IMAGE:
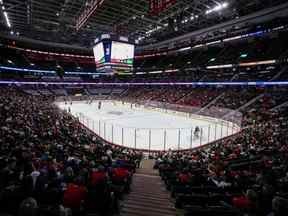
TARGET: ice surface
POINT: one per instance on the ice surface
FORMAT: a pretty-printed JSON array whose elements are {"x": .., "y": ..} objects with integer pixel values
[{"x": 144, "y": 128}]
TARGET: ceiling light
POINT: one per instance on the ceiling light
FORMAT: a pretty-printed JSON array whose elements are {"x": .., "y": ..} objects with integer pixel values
[
  {"x": 217, "y": 8},
  {"x": 7, "y": 19},
  {"x": 224, "y": 5},
  {"x": 244, "y": 55},
  {"x": 5, "y": 14}
]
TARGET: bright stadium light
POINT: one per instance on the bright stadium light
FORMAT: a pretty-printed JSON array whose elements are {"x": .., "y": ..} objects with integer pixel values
[
  {"x": 224, "y": 5},
  {"x": 5, "y": 14},
  {"x": 243, "y": 55},
  {"x": 219, "y": 7},
  {"x": 7, "y": 19}
]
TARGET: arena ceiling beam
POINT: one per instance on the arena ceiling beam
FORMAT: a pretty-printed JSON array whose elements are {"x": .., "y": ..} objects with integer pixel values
[
  {"x": 34, "y": 18},
  {"x": 265, "y": 14},
  {"x": 87, "y": 13},
  {"x": 11, "y": 7}
]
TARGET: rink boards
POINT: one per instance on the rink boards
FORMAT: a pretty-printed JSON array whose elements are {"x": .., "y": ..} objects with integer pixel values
[{"x": 149, "y": 128}]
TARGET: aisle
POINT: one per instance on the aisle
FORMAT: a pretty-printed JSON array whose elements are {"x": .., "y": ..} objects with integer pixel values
[{"x": 148, "y": 196}]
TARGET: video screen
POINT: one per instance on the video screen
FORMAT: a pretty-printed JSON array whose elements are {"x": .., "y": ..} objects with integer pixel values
[
  {"x": 122, "y": 53},
  {"x": 99, "y": 55}
]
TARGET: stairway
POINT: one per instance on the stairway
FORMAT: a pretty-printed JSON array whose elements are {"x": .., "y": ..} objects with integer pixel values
[{"x": 148, "y": 196}]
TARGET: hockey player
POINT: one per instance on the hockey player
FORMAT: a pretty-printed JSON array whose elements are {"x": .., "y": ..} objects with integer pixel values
[{"x": 197, "y": 132}]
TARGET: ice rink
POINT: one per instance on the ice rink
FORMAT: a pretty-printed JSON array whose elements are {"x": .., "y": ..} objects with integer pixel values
[{"x": 145, "y": 128}]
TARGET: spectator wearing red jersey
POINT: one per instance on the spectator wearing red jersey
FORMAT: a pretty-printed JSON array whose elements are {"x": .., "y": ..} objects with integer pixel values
[
  {"x": 120, "y": 174},
  {"x": 74, "y": 195},
  {"x": 98, "y": 176},
  {"x": 184, "y": 177}
]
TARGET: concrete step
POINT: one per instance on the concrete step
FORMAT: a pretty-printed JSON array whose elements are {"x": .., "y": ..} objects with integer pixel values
[
  {"x": 157, "y": 203},
  {"x": 148, "y": 195},
  {"x": 143, "y": 196},
  {"x": 133, "y": 212}
]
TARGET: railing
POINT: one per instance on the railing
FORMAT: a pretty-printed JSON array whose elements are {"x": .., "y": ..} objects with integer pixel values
[{"x": 158, "y": 138}]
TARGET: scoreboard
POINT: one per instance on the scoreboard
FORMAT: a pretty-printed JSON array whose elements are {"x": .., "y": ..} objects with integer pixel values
[
  {"x": 122, "y": 53},
  {"x": 99, "y": 56},
  {"x": 114, "y": 56}
]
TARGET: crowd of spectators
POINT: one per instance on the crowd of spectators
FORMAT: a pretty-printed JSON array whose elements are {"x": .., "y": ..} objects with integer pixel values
[
  {"x": 242, "y": 175},
  {"x": 52, "y": 165},
  {"x": 245, "y": 174},
  {"x": 217, "y": 101},
  {"x": 200, "y": 97},
  {"x": 197, "y": 97},
  {"x": 236, "y": 97}
]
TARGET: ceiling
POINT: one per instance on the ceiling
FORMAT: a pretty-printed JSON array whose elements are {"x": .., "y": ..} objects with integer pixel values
[{"x": 55, "y": 20}]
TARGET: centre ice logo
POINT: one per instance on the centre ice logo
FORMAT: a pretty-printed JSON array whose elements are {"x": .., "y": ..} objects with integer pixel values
[{"x": 118, "y": 113}]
